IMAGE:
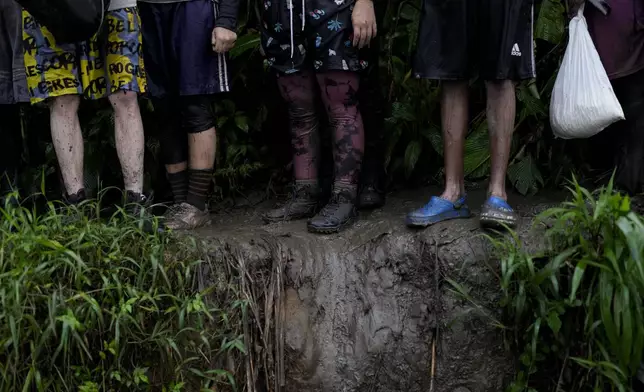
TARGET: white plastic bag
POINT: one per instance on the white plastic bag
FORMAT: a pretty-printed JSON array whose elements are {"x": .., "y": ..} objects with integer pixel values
[{"x": 583, "y": 102}]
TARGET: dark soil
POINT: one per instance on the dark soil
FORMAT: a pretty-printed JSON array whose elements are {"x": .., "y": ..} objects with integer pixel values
[{"x": 366, "y": 309}]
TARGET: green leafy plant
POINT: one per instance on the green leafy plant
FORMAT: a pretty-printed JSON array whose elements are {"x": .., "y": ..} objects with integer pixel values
[
  {"x": 95, "y": 305},
  {"x": 576, "y": 309}
]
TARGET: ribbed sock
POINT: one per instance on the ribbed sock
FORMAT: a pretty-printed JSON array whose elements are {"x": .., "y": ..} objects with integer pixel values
[
  {"x": 198, "y": 185},
  {"x": 179, "y": 185}
]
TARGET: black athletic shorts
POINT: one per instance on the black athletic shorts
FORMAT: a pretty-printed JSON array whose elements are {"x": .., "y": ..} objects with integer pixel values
[{"x": 458, "y": 39}]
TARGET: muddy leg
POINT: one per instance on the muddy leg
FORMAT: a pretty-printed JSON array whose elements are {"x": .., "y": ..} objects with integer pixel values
[
  {"x": 298, "y": 91},
  {"x": 452, "y": 203},
  {"x": 68, "y": 144},
  {"x": 501, "y": 108},
  {"x": 129, "y": 138},
  {"x": 339, "y": 95},
  {"x": 454, "y": 116}
]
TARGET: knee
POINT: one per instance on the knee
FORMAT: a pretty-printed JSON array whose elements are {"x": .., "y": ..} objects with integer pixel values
[
  {"x": 302, "y": 112},
  {"x": 499, "y": 86},
  {"x": 65, "y": 105},
  {"x": 196, "y": 114},
  {"x": 124, "y": 100}
]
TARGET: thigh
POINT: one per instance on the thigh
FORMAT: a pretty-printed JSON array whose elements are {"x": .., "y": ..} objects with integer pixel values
[
  {"x": 329, "y": 36},
  {"x": 159, "y": 57},
  {"x": 298, "y": 90},
  {"x": 52, "y": 70},
  {"x": 506, "y": 45},
  {"x": 445, "y": 39},
  {"x": 122, "y": 47},
  {"x": 200, "y": 70}
]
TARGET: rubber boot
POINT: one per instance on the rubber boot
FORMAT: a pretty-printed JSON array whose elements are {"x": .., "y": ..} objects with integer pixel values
[
  {"x": 303, "y": 203},
  {"x": 338, "y": 213}
]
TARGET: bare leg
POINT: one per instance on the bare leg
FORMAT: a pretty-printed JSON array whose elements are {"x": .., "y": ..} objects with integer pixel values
[
  {"x": 202, "y": 147},
  {"x": 501, "y": 109},
  {"x": 68, "y": 141},
  {"x": 129, "y": 138},
  {"x": 454, "y": 116}
]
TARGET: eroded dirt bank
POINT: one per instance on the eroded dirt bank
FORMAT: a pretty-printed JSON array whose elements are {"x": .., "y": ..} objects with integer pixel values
[{"x": 371, "y": 309}]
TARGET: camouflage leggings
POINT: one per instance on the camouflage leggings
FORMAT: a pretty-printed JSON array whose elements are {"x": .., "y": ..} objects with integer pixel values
[{"x": 339, "y": 95}]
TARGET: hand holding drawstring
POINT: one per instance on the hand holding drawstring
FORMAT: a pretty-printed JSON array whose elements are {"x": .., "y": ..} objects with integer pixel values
[
  {"x": 223, "y": 39},
  {"x": 364, "y": 23}
]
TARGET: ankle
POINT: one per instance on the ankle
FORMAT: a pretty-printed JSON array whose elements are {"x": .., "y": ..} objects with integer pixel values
[
  {"x": 179, "y": 185},
  {"x": 452, "y": 194},
  {"x": 76, "y": 197},
  {"x": 198, "y": 187},
  {"x": 346, "y": 190},
  {"x": 500, "y": 193}
]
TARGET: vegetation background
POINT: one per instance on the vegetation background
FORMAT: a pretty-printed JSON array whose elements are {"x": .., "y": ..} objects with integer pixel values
[{"x": 254, "y": 146}]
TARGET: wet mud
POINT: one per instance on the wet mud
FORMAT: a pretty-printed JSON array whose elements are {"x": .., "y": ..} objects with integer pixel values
[{"x": 372, "y": 309}]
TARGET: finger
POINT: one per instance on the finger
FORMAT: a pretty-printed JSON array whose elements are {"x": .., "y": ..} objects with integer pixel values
[
  {"x": 357, "y": 36},
  {"x": 366, "y": 34},
  {"x": 371, "y": 35},
  {"x": 219, "y": 46},
  {"x": 375, "y": 29}
]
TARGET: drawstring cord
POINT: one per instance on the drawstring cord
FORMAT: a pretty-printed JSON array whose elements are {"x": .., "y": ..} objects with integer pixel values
[{"x": 290, "y": 9}]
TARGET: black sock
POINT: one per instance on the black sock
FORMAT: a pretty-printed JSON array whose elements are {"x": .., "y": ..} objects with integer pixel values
[
  {"x": 179, "y": 185},
  {"x": 198, "y": 187}
]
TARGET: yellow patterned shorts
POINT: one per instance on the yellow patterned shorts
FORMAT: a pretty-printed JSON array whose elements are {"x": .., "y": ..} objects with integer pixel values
[{"x": 111, "y": 61}]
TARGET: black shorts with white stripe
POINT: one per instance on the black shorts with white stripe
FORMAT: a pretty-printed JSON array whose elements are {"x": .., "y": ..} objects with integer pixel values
[
  {"x": 177, "y": 49},
  {"x": 458, "y": 39}
]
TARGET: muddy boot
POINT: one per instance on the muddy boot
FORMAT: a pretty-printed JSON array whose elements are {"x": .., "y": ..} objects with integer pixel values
[
  {"x": 75, "y": 209},
  {"x": 303, "y": 203},
  {"x": 338, "y": 213},
  {"x": 371, "y": 195},
  {"x": 373, "y": 180},
  {"x": 137, "y": 205},
  {"x": 185, "y": 216}
]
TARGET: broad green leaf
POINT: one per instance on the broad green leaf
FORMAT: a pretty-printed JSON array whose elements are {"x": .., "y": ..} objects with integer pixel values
[
  {"x": 554, "y": 322},
  {"x": 412, "y": 153},
  {"x": 551, "y": 21},
  {"x": 242, "y": 122}
]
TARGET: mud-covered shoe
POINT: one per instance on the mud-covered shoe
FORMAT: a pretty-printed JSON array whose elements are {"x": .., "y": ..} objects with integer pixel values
[
  {"x": 371, "y": 198},
  {"x": 303, "y": 203},
  {"x": 496, "y": 213},
  {"x": 185, "y": 216},
  {"x": 438, "y": 210},
  {"x": 337, "y": 214},
  {"x": 75, "y": 208},
  {"x": 137, "y": 205}
]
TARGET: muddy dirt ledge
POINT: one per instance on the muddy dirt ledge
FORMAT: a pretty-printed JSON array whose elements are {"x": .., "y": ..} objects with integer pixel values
[{"x": 361, "y": 310}]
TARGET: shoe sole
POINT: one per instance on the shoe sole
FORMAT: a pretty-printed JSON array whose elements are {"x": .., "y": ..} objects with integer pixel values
[
  {"x": 331, "y": 230},
  {"x": 462, "y": 213},
  {"x": 497, "y": 223}
]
